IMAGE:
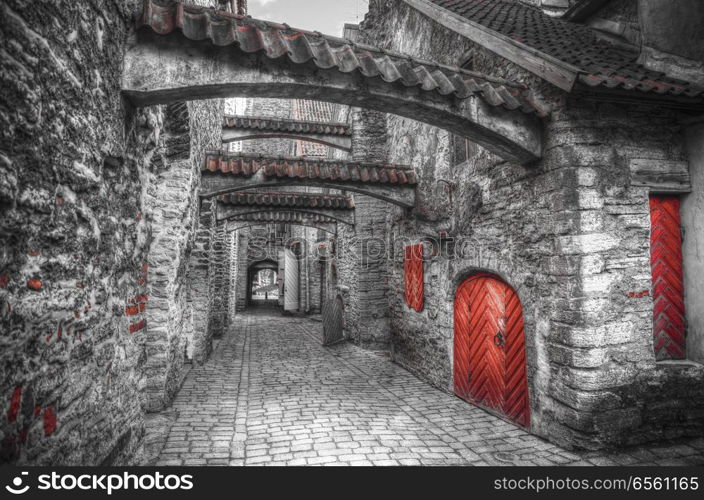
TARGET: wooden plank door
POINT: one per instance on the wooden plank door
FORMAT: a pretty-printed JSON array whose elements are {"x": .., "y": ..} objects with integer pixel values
[
  {"x": 489, "y": 348},
  {"x": 669, "y": 327}
]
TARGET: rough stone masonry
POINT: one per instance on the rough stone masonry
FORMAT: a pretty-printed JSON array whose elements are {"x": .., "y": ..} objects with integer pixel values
[{"x": 116, "y": 275}]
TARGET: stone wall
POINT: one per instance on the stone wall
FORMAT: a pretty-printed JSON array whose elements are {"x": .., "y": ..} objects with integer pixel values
[
  {"x": 74, "y": 172},
  {"x": 693, "y": 223},
  {"x": 570, "y": 235},
  {"x": 98, "y": 206},
  {"x": 219, "y": 282},
  {"x": 234, "y": 248},
  {"x": 199, "y": 278},
  {"x": 276, "y": 108},
  {"x": 361, "y": 263},
  {"x": 190, "y": 130}
]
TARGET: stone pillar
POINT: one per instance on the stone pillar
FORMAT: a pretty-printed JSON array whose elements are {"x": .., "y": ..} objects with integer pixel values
[
  {"x": 172, "y": 215},
  {"x": 242, "y": 277},
  {"x": 199, "y": 278},
  {"x": 233, "y": 252},
  {"x": 219, "y": 282},
  {"x": 171, "y": 209},
  {"x": 362, "y": 263}
]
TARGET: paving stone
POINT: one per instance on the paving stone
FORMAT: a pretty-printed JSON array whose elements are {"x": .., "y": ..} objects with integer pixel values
[{"x": 299, "y": 403}]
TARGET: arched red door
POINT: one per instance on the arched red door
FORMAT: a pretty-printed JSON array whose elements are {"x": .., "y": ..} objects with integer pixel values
[{"x": 489, "y": 354}]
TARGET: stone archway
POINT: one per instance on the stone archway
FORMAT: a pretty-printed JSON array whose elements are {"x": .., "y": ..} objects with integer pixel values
[
  {"x": 254, "y": 270},
  {"x": 187, "y": 52}
]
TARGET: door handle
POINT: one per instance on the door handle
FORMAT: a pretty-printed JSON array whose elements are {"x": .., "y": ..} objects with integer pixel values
[{"x": 499, "y": 339}]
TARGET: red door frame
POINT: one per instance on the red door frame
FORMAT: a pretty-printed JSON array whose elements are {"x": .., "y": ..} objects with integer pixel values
[{"x": 489, "y": 348}]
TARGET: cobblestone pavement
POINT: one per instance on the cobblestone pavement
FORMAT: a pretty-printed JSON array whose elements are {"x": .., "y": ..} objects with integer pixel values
[{"x": 272, "y": 395}]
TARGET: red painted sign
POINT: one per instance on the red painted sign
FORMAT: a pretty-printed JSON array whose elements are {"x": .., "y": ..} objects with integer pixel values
[
  {"x": 489, "y": 348},
  {"x": 668, "y": 284},
  {"x": 413, "y": 276}
]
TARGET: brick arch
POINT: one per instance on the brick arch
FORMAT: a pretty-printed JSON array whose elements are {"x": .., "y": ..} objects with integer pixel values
[{"x": 187, "y": 52}]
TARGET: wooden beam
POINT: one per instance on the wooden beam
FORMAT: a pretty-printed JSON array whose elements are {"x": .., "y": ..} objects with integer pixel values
[
  {"x": 661, "y": 176},
  {"x": 583, "y": 10}
]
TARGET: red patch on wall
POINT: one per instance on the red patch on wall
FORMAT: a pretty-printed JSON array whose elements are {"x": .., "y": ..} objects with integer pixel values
[
  {"x": 49, "y": 421},
  {"x": 141, "y": 299},
  {"x": 138, "y": 326},
  {"x": 413, "y": 276},
  {"x": 132, "y": 310},
  {"x": 4, "y": 280},
  {"x": 638, "y": 295},
  {"x": 34, "y": 284},
  {"x": 24, "y": 432},
  {"x": 14, "y": 404}
]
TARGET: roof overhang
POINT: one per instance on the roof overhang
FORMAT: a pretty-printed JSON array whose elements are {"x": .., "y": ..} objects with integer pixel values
[
  {"x": 549, "y": 68},
  {"x": 185, "y": 52}
]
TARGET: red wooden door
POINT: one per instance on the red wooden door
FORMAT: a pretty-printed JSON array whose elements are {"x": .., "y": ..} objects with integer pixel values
[
  {"x": 489, "y": 347},
  {"x": 668, "y": 288},
  {"x": 413, "y": 276}
]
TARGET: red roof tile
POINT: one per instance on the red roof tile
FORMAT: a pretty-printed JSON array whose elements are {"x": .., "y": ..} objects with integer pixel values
[
  {"x": 246, "y": 165},
  {"x": 295, "y": 200},
  {"x": 326, "y": 52},
  {"x": 272, "y": 124},
  {"x": 603, "y": 65}
]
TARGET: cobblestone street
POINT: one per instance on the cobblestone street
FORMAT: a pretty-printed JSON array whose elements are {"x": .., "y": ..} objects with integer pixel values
[{"x": 272, "y": 395}]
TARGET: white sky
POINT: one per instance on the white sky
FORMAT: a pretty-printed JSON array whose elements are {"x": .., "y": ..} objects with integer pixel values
[{"x": 326, "y": 16}]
